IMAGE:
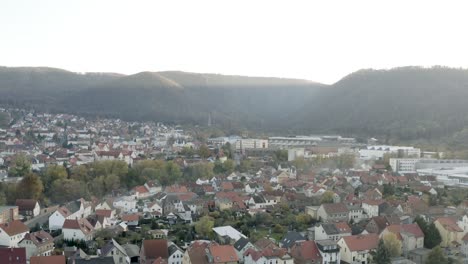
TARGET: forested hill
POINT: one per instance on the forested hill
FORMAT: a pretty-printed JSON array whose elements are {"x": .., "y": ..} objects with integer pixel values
[
  {"x": 178, "y": 97},
  {"x": 403, "y": 103}
]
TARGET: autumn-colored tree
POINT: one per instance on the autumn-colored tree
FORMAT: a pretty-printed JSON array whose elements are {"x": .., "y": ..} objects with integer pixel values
[
  {"x": 392, "y": 244},
  {"x": 21, "y": 166},
  {"x": 437, "y": 256},
  {"x": 52, "y": 174},
  {"x": 327, "y": 197},
  {"x": 204, "y": 151},
  {"x": 30, "y": 187},
  {"x": 65, "y": 190},
  {"x": 204, "y": 227}
]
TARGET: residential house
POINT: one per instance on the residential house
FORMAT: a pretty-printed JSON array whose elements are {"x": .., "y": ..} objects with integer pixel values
[
  {"x": 196, "y": 252},
  {"x": 314, "y": 191},
  {"x": 373, "y": 207},
  {"x": 77, "y": 229},
  {"x": 463, "y": 223},
  {"x": 333, "y": 212},
  {"x": 154, "y": 208},
  {"x": 12, "y": 233},
  {"x": 28, "y": 207},
  {"x": 410, "y": 235},
  {"x": 141, "y": 192},
  {"x": 267, "y": 255},
  {"x": 175, "y": 254},
  {"x": 305, "y": 252},
  {"x": 329, "y": 250},
  {"x": 222, "y": 254},
  {"x": 133, "y": 252},
  {"x": 106, "y": 218},
  {"x": 378, "y": 223},
  {"x": 357, "y": 249},
  {"x": 56, "y": 259},
  {"x": 464, "y": 246},
  {"x": 73, "y": 210},
  {"x": 95, "y": 260},
  {"x": 356, "y": 213},
  {"x": 241, "y": 246},
  {"x": 253, "y": 187},
  {"x": 105, "y": 205},
  {"x": 115, "y": 250},
  {"x": 123, "y": 155},
  {"x": 419, "y": 255},
  {"x": 151, "y": 250},
  {"x": 227, "y": 234},
  {"x": 450, "y": 232},
  {"x": 126, "y": 203},
  {"x": 153, "y": 187},
  {"x": 332, "y": 231},
  {"x": 290, "y": 239},
  {"x": 13, "y": 255},
  {"x": 8, "y": 214},
  {"x": 39, "y": 243}
]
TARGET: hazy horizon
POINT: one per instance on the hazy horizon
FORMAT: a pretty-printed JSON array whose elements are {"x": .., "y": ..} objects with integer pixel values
[{"x": 320, "y": 41}]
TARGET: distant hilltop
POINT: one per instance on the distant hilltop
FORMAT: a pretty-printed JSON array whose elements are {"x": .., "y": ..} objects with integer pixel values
[{"x": 403, "y": 103}]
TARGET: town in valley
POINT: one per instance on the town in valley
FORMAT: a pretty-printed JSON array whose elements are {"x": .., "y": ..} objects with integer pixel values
[{"x": 77, "y": 190}]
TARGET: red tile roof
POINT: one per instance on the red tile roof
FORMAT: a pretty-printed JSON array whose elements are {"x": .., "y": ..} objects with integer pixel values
[
  {"x": 14, "y": 228},
  {"x": 333, "y": 208},
  {"x": 59, "y": 259},
  {"x": 39, "y": 238},
  {"x": 449, "y": 224},
  {"x": 361, "y": 242},
  {"x": 176, "y": 189},
  {"x": 408, "y": 228},
  {"x": 154, "y": 249},
  {"x": 130, "y": 217},
  {"x": 26, "y": 204},
  {"x": 225, "y": 253},
  {"x": 141, "y": 189},
  {"x": 103, "y": 212},
  {"x": 343, "y": 227},
  {"x": 80, "y": 224},
  {"x": 305, "y": 251},
  {"x": 13, "y": 255}
]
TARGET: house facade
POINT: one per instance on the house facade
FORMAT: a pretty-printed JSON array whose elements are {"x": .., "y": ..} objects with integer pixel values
[
  {"x": 357, "y": 249},
  {"x": 12, "y": 233},
  {"x": 39, "y": 243},
  {"x": 79, "y": 229}
]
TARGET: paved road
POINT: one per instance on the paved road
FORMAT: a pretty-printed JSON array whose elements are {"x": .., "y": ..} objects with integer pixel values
[{"x": 42, "y": 218}]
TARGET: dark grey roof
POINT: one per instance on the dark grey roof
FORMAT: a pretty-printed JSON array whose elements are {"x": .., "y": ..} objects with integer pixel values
[
  {"x": 132, "y": 250},
  {"x": 290, "y": 239},
  {"x": 111, "y": 244},
  {"x": 258, "y": 199},
  {"x": 330, "y": 229},
  {"x": 73, "y": 206},
  {"x": 173, "y": 248},
  {"x": 99, "y": 260},
  {"x": 241, "y": 243}
]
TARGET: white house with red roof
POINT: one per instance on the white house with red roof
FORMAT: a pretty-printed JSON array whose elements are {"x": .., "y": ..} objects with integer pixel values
[
  {"x": 123, "y": 155},
  {"x": 410, "y": 235},
  {"x": 449, "y": 230},
  {"x": 153, "y": 187},
  {"x": 141, "y": 192},
  {"x": 74, "y": 210},
  {"x": 77, "y": 229},
  {"x": 12, "y": 233},
  {"x": 357, "y": 249}
]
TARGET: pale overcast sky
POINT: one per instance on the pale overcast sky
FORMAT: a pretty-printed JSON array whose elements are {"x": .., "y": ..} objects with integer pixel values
[{"x": 316, "y": 40}]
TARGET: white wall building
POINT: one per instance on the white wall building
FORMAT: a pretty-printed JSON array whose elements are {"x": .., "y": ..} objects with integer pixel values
[
  {"x": 251, "y": 143},
  {"x": 378, "y": 152}
]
